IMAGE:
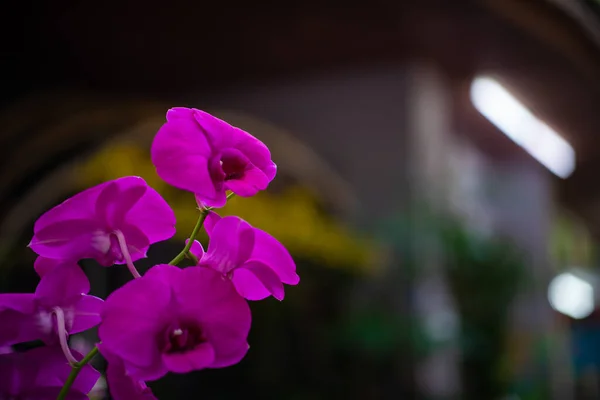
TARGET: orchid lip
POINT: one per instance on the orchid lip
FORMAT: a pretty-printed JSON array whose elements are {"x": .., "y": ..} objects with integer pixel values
[
  {"x": 125, "y": 252},
  {"x": 63, "y": 335}
]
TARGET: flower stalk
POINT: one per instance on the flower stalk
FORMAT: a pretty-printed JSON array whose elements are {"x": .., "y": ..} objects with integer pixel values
[
  {"x": 76, "y": 368},
  {"x": 186, "y": 250},
  {"x": 192, "y": 151}
]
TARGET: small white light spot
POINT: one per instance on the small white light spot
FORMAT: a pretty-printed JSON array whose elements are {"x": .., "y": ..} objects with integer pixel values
[
  {"x": 177, "y": 332},
  {"x": 571, "y": 295}
]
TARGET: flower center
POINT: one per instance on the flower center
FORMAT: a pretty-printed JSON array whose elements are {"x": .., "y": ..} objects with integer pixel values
[
  {"x": 233, "y": 167},
  {"x": 183, "y": 338},
  {"x": 107, "y": 244},
  {"x": 113, "y": 248}
]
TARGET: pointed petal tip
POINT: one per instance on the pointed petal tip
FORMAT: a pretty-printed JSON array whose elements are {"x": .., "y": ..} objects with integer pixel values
[{"x": 293, "y": 281}]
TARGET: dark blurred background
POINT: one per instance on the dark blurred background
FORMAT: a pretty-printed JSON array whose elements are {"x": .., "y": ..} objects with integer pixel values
[{"x": 438, "y": 178}]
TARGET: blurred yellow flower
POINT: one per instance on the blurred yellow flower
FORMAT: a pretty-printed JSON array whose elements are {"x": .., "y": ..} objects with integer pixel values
[{"x": 293, "y": 216}]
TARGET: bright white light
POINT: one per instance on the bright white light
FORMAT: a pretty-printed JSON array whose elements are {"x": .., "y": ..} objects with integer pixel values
[
  {"x": 571, "y": 295},
  {"x": 518, "y": 123}
]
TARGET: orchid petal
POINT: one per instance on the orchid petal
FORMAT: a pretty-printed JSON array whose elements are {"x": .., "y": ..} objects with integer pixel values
[
  {"x": 230, "y": 245},
  {"x": 86, "y": 313},
  {"x": 196, "y": 249},
  {"x": 62, "y": 286},
  {"x": 201, "y": 357},
  {"x": 256, "y": 281},
  {"x": 271, "y": 252}
]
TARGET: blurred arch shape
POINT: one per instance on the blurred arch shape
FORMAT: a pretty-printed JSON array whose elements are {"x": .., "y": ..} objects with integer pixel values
[{"x": 119, "y": 144}]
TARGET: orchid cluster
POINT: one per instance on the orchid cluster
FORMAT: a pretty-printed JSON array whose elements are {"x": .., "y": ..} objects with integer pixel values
[{"x": 171, "y": 319}]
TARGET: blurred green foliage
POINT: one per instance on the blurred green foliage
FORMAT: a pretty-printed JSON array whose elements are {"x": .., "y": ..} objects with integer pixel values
[{"x": 485, "y": 274}]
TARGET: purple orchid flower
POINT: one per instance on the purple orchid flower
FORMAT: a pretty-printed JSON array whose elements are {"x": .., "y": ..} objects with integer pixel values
[
  {"x": 42, "y": 265},
  {"x": 114, "y": 223},
  {"x": 176, "y": 320},
  {"x": 59, "y": 306},
  {"x": 39, "y": 374},
  {"x": 255, "y": 261},
  {"x": 121, "y": 385},
  {"x": 200, "y": 153}
]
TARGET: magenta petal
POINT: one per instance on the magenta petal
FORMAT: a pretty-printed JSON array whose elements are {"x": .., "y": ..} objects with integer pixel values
[
  {"x": 18, "y": 328},
  {"x": 232, "y": 351},
  {"x": 196, "y": 249},
  {"x": 193, "y": 148},
  {"x": 267, "y": 250},
  {"x": 132, "y": 190},
  {"x": 39, "y": 374},
  {"x": 79, "y": 207},
  {"x": 219, "y": 199},
  {"x": 179, "y": 137},
  {"x": 150, "y": 372},
  {"x": 223, "y": 135},
  {"x": 51, "y": 393},
  {"x": 179, "y": 112},
  {"x": 119, "y": 197},
  {"x": 180, "y": 153},
  {"x": 86, "y": 313},
  {"x": 218, "y": 132},
  {"x": 62, "y": 286},
  {"x": 87, "y": 377},
  {"x": 165, "y": 273},
  {"x": 199, "y": 358},
  {"x": 42, "y": 265},
  {"x": 107, "y": 201},
  {"x": 137, "y": 243},
  {"x": 270, "y": 170},
  {"x": 271, "y": 252},
  {"x": 223, "y": 314},
  {"x": 189, "y": 173},
  {"x": 150, "y": 213},
  {"x": 20, "y": 302},
  {"x": 17, "y": 313},
  {"x": 42, "y": 369},
  {"x": 54, "y": 369},
  {"x": 230, "y": 245},
  {"x": 126, "y": 205},
  {"x": 132, "y": 317},
  {"x": 257, "y": 152},
  {"x": 253, "y": 181},
  {"x": 68, "y": 239},
  {"x": 209, "y": 223},
  {"x": 121, "y": 385},
  {"x": 255, "y": 279}
]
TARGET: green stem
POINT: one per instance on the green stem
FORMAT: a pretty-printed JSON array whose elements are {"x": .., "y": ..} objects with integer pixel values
[
  {"x": 186, "y": 250},
  {"x": 179, "y": 257},
  {"x": 76, "y": 368},
  {"x": 193, "y": 258}
]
